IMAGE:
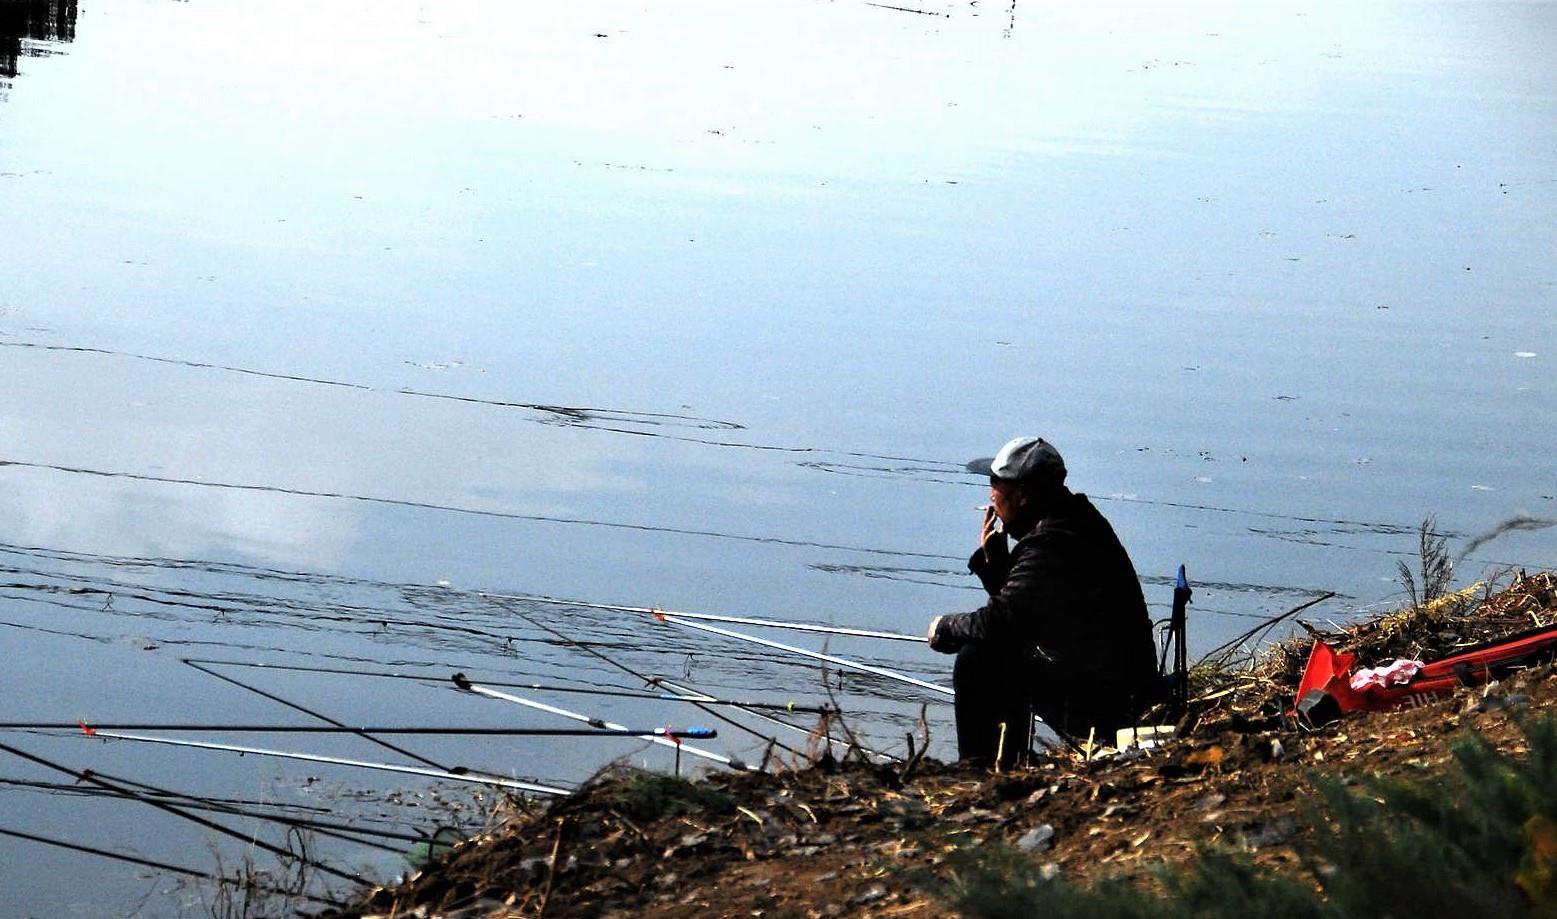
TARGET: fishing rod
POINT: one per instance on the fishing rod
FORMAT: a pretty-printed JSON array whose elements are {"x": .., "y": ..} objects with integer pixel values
[
  {"x": 291, "y": 814},
  {"x": 815, "y": 655},
  {"x": 236, "y": 883},
  {"x": 341, "y": 831},
  {"x": 248, "y": 838},
  {"x": 650, "y": 681},
  {"x": 792, "y": 707},
  {"x": 474, "y": 778},
  {"x": 595, "y": 723},
  {"x": 365, "y": 735},
  {"x": 92, "y": 730},
  {"x": 319, "y": 715},
  {"x": 793, "y": 727},
  {"x": 710, "y": 617}
]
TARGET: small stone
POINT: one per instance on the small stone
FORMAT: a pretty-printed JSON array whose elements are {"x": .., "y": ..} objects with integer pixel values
[
  {"x": 1277, "y": 751},
  {"x": 1037, "y": 839},
  {"x": 872, "y": 894},
  {"x": 1049, "y": 871},
  {"x": 1211, "y": 801},
  {"x": 1274, "y": 833}
]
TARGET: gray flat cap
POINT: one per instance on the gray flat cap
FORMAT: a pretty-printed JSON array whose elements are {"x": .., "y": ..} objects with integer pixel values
[{"x": 1025, "y": 459}]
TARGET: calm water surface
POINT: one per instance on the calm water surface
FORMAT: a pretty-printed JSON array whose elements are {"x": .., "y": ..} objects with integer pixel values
[{"x": 317, "y": 321}]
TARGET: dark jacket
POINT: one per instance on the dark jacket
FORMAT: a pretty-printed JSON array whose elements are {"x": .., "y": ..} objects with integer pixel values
[{"x": 1068, "y": 589}]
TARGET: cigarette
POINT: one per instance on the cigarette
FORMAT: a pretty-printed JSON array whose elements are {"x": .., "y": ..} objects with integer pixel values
[{"x": 984, "y": 507}]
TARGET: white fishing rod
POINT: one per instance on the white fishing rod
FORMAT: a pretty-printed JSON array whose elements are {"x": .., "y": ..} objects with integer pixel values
[
  {"x": 845, "y": 663},
  {"x": 710, "y": 617},
  {"x": 473, "y": 778},
  {"x": 675, "y": 687},
  {"x": 817, "y": 655},
  {"x": 467, "y": 686}
]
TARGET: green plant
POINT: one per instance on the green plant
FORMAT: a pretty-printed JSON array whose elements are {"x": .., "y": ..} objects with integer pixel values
[{"x": 1482, "y": 843}]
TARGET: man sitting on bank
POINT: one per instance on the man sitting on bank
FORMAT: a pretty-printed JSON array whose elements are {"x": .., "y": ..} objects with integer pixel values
[{"x": 1065, "y": 633}]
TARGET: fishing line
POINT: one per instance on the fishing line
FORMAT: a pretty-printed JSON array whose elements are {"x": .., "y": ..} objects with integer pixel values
[
  {"x": 364, "y": 734},
  {"x": 247, "y": 838},
  {"x": 709, "y": 617},
  {"x": 463, "y": 775},
  {"x": 815, "y": 655},
  {"x": 240, "y": 883},
  {"x": 261, "y": 573},
  {"x": 343, "y": 831},
  {"x": 543, "y": 687},
  {"x": 239, "y": 805},
  {"x": 95, "y": 729},
  {"x": 576, "y": 415},
  {"x": 456, "y": 509},
  {"x": 191, "y": 800},
  {"x": 648, "y": 681}
]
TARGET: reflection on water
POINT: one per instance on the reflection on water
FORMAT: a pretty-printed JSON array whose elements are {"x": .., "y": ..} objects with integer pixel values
[
  {"x": 28, "y": 28},
  {"x": 702, "y": 306}
]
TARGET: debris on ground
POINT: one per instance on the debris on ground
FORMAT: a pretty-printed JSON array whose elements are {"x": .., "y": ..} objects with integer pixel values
[{"x": 859, "y": 839}]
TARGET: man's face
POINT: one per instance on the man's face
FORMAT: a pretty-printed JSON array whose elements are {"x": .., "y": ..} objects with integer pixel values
[{"x": 1007, "y": 499}]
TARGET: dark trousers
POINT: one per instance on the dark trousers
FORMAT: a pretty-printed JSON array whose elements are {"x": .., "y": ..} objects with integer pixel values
[{"x": 994, "y": 687}]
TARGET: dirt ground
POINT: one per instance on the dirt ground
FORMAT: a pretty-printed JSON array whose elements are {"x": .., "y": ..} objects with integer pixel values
[{"x": 858, "y": 840}]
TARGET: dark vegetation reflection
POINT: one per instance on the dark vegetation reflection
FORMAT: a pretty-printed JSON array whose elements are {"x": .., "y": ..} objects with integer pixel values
[{"x": 27, "y": 25}]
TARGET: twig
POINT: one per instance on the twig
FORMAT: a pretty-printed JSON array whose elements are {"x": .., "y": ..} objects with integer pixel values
[
  {"x": 914, "y": 757},
  {"x": 1216, "y": 655},
  {"x": 551, "y": 869}
]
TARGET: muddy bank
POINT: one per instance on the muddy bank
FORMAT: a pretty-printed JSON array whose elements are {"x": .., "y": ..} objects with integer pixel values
[{"x": 858, "y": 840}]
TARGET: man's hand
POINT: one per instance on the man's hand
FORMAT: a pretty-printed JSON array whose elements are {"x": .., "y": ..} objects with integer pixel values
[
  {"x": 992, "y": 538},
  {"x": 937, "y": 635}
]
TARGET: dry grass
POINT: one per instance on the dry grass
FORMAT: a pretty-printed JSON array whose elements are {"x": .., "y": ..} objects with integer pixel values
[{"x": 1260, "y": 686}]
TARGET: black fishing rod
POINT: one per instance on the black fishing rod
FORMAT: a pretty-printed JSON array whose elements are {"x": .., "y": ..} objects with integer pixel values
[
  {"x": 342, "y": 831},
  {"x": 247, "y": 838},
  {"x": 647, "y": 680},
  {"x": 101, "y": 730},
  {"x": 238, "y": 883},
  {"x": 676, "y": 696},
  {"x": 320, "y": 716}
]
